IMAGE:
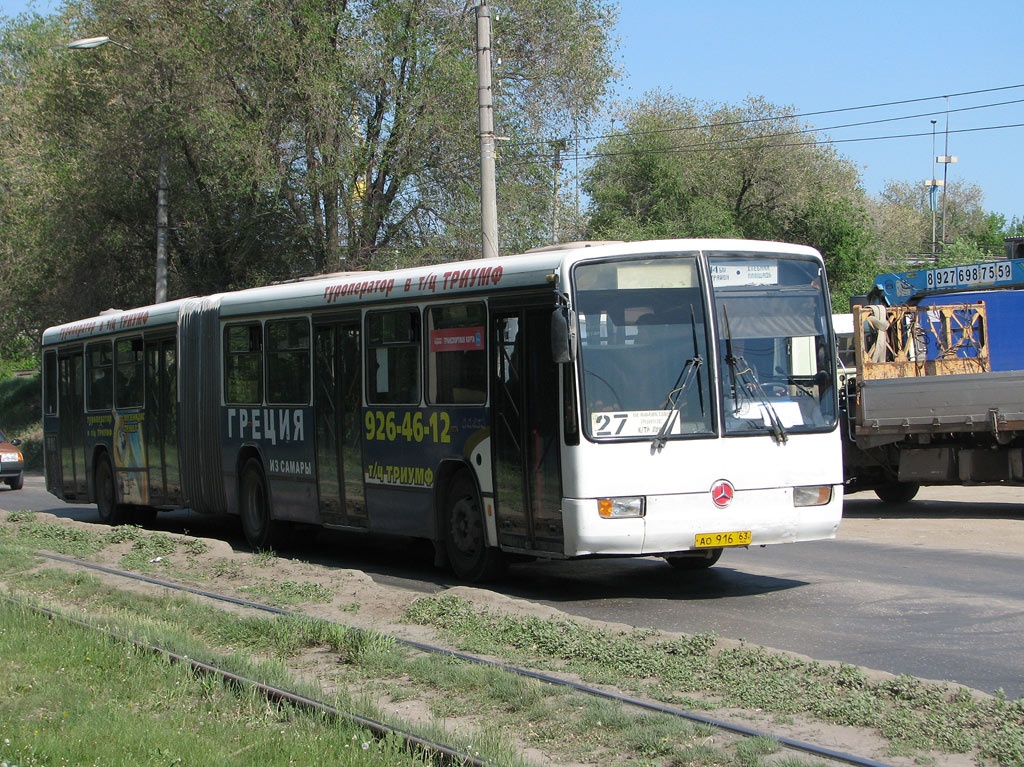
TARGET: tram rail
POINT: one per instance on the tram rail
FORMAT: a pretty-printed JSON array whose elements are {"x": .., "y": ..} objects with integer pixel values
[
  {"x": 444, "y": 755},
  {"x": 725, "y": 726}
]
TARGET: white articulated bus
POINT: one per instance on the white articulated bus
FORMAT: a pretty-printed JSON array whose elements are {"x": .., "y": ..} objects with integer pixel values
[{"x": 670, "y": 398}]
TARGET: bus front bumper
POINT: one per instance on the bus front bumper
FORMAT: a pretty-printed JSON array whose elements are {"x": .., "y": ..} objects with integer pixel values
[{"x": 680, "y": 522}]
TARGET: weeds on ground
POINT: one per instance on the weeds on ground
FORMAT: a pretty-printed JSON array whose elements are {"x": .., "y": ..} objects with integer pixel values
[
  {"x": 288, "y": 592},
  {"x": 149, "y": 549},
  {"x": 264, "y": 558},
  {"x": 24, "y": 528},
  {"x": 226, "y": 568},
  {"x": 492, "y": 701},
  {"x": 910, "y": 713},
  {"x": 153, "y": 551},
  {"x": 74, "y": 696}
]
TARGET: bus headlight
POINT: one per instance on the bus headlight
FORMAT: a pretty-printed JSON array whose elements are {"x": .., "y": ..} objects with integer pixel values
[
  {"x": 815, "y": 495},
  {"x": 620, "y": 508}
]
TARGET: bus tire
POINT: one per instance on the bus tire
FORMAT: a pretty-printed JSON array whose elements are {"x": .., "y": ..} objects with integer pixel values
[
  {"x": 897, "y": 492},
  {"x": 701, "y": 560},
  {"x": 254, "y": 506},
  {"x": 111, "y": 512},
  {"x": 465, "y": 540}
]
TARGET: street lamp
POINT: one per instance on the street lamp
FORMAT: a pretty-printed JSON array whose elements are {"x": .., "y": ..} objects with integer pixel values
[{"x": 86, "y": 43}]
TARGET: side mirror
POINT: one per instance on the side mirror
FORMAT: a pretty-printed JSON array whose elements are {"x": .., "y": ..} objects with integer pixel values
[
  {"x": 563, "y": 335},
  {"x": 15, "y": 441}
]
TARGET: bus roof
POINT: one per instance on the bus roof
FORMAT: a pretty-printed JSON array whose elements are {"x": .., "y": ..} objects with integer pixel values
[{"x": 452, "y": 279}]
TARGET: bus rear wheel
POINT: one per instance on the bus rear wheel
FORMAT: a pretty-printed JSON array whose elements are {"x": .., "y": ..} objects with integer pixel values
[
  {"x": 464, "y": 536},
  {"x": 254, "y": 505},
  {"x": 111, "y": 512},
  {"x": 700, "y": 560}
]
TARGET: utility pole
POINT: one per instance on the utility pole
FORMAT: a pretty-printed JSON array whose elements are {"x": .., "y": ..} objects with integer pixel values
[
  {"x": 161, "y": 225},
  {"x": 932, "y": 184},
  {"x": 162, "y": 187},
  {"x": 945, "y": 159},
  {"x": 485, "y": 98},
  {"x": 558, "y": 146}
]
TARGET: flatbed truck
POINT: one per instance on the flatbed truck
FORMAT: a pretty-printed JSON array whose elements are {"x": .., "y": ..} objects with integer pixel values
[{"x": 937, "y": 397}]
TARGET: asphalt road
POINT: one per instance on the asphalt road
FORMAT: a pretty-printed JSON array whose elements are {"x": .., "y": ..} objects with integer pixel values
[{"x": 894, "y": 595}]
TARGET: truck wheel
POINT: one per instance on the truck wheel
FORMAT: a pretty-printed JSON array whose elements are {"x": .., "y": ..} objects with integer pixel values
[
  {"x": 111, "y": 512},
  {"x": 254, "y": 504},
  {"x": 700, "y": 560},
  {"x": 897, "y": 492},
  {"x": 464, "y": 536}
]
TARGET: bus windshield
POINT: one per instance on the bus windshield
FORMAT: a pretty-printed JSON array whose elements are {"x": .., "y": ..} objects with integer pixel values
[
  {"x": 776, "y": 362},
  {"x": 644, "y": 349}
]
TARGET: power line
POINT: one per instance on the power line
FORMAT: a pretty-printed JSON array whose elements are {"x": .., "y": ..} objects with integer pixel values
[
  {"x": 735, "y": 144},
  {"x": 624, "y": 134},
  {"x": 732, "y": 143},
  {"x": 912, "y": 117},
  {"x": 802, "y": 131}
]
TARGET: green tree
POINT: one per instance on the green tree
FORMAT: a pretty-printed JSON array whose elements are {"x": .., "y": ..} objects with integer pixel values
[
  {"x": 303, "y": 136},
  {"x": 678, "y": 168},
  {"x": 903, "y": 221},
  {"x": 963, "y": 251}
]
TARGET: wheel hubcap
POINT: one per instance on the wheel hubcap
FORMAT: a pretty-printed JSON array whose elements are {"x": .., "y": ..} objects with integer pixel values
[{"x": 464, "y": 531}]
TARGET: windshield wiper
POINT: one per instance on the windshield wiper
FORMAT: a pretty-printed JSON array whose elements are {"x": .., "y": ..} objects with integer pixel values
[
  {"x": 744, "y": 380},
  {"x": 686, "y": 375},
  {"x": 683, "y": 380}
]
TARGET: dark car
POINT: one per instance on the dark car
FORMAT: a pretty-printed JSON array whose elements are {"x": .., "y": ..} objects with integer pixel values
[{"x": 12, "y": 463}]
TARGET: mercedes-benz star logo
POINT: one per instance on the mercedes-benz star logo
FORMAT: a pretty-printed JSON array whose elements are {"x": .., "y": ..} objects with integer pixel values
[{"x": 722, "y": 492}]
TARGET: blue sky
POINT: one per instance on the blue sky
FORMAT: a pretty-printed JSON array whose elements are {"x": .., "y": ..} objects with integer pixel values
[{"x": 826, "y": 55}]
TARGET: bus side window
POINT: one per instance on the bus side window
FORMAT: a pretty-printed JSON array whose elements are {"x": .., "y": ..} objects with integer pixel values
[
  {"x": 99, "y": 374},
  {"x": 243, "y": 364},
  {"x": 128, "y": 381},
  {"x": 393, "y": 357},
  {"x": 457, "y": 355},
  {"x": 287, "y": 348}
]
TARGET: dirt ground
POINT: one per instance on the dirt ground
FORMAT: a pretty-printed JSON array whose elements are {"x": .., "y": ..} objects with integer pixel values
[
  {"x": 989, "y": 519},
  {"x": 993, "y": 522}
]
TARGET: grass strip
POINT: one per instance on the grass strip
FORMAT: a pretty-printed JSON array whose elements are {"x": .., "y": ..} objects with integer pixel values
[
  {"x": 913, "y": 715},
  {"x": 76, "y": 696},
  {"x": 693, "y": 671},
  {"x": 495, "y": 713}
]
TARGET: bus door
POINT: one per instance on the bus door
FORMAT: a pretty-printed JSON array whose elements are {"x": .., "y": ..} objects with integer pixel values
[
  {"x": 524, "y": 427},
  {"x": 51, "y": 423},
  {"x": 71, "y": 435},
  {"x": 161, "y": 425},
  {"x": 337, "y": 383}
]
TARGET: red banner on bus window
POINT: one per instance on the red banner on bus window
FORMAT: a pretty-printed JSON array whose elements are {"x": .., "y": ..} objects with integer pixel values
[{"x": 457, "y": 339}]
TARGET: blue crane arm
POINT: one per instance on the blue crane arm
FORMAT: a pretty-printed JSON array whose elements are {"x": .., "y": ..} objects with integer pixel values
[{"x": 893, "y": 288}]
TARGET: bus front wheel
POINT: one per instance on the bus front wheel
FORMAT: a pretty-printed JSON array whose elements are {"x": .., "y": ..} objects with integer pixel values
[
  {"x": 465, "y": 539},
  {"x": 111, "y": 512},
  {"x": 259, "y": 528},
  {"x": 700, "y": 560}
]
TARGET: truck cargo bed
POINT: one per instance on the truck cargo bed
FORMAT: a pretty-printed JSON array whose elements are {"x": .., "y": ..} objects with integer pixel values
[{"x": 982, "y": 402}]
